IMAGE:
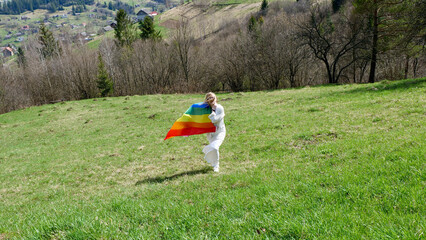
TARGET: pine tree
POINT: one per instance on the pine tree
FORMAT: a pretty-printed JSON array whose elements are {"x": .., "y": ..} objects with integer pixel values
[
  {"x": 124, "y": 30},
  {"x": 148, "y": 30},
  {"x": 49, "y": 46},
  {"x": 21, "y": 58},
  {"x": 264, "y": 6},
  {"x": 336, "y": 4},
  {"x": 252, "y": 24},
  {"x": 394, "y": 24},
  {"x": 105, "y": 84}
]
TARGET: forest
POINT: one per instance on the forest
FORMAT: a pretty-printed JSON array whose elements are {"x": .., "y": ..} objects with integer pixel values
[{"x": 20, "y": 6}]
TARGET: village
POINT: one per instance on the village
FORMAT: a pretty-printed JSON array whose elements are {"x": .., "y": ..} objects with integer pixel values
[{"x": 67, "y": 26}]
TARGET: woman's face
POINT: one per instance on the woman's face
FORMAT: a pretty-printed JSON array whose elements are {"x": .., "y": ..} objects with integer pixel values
[{"x": 211, "y": 101}]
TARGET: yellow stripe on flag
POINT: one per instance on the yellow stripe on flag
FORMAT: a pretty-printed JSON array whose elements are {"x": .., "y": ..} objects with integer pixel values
[{"x": 195, "y": 118}]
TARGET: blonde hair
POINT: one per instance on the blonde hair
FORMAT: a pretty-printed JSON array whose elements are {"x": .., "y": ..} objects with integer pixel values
[{"x": 210, "y": 98}]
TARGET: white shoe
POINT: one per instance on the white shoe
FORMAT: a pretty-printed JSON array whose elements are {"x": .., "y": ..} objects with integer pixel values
[{"x": 216, "y": 168}]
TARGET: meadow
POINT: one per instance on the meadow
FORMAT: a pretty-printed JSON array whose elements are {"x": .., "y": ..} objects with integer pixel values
[{"x": 325, "y": 162}]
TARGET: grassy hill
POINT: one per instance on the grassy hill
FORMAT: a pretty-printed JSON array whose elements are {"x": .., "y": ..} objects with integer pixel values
[{"x": 326, "y": 162}]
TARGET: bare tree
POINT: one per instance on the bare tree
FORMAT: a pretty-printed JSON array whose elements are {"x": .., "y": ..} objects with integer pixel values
[
  {"x": 183, "y": 42},
  {"x": 231, "y": 63},
  {"x": 331, "y": 39}
]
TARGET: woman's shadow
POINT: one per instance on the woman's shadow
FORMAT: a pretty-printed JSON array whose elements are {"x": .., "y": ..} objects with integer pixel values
[{"x": 169, "y": 178}]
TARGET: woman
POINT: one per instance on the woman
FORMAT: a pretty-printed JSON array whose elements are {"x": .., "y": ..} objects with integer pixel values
[{"x": 211, "y": 151}]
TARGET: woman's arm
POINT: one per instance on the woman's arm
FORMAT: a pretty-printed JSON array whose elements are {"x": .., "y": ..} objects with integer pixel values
[{"x": 218, "y": 115}]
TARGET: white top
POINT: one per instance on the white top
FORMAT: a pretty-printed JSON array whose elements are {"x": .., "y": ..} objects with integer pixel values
[{"x": 217, "y": 117}]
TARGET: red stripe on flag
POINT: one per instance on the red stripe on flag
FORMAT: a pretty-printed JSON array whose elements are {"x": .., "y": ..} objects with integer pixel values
[
  {"x": 188, "y": 131},
  {"x": 183, "y": 125}
]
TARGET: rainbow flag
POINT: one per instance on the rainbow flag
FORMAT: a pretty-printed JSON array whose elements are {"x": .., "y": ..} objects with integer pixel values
[{"x": 194, "y": 121}]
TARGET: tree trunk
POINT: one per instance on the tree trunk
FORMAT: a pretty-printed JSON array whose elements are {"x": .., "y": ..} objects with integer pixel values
[
  {"x": 374, "y": 48},
  {"x": 415, "y": 62},
  {"x": 407, "y": 60}
]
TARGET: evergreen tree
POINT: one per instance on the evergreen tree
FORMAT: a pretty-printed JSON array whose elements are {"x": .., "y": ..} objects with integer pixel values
[
  {"x": 264, "y": 6},
  {"x": 125, "y": 33},
  {"x": 21, "y": 58},
  {"x": 336, "y": 4},
  {"x": 52, "y": 7},
  {"x": 394, "y": 24},
  {"x": 49, "y": 46},
  {"x": 148, "y": 30},
  {"x": 105, "y": 84},
  {"x": 252, "y": 24}
]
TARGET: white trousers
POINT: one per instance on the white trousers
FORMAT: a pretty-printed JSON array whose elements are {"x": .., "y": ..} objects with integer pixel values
[{"x": 211, "y": 151}]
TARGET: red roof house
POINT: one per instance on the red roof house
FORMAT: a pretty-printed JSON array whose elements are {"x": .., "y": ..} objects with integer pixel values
[{"x": 7, "y": 52}]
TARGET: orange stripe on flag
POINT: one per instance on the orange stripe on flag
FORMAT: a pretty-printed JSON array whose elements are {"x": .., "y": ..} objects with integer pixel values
[{"x": 181, "y": 125}]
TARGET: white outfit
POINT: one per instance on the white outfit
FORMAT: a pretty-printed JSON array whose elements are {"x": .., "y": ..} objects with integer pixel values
[{"x": 216, "y": 138}]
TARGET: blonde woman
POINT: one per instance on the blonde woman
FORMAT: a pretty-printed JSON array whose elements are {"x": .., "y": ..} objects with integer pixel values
[{"x": 215, "y": 139}]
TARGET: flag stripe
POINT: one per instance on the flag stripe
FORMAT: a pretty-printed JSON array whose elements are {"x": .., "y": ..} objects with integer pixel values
[
  {"x": 198, "y": 111},
  {"x": 188, "y": 131},
  {"x": 194, "y": 118},
  {"x": 181, "y": 125},
  {"x": 200, "y": 105}
]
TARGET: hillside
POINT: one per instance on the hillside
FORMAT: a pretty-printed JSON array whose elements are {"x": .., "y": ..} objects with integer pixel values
[
  {"x": 70, "y": 20},
  {"x": 326, "y": 162},
  {"x": 205, "y": 18}
]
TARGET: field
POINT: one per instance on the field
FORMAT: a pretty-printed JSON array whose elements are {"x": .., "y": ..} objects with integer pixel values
[{"x": 326, "y": 162}]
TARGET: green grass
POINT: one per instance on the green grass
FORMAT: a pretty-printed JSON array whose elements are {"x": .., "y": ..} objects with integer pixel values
[
  {"x": 327, "y": 162},
  {"x": 3, "y": 33}
]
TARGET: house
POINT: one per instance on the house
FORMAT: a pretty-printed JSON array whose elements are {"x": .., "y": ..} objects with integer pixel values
[
  {"x": 19, "y": 39},
  {"x": 18, "y": 34},
  {"x": 7, "y": 37},
  {"x": 25, "y": 18},
  {"x": 142, "y": 14},
  {"x": 78, "y": 37},
  {"x": 154, "y": 13},
  {"x": 7, "y": 51},
  {"x": 26, "y": 28},
  {"x": 107, "y": 28}
]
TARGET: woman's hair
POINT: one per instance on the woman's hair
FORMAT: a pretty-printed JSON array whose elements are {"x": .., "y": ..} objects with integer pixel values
[{"x": 210, "y": 98}]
